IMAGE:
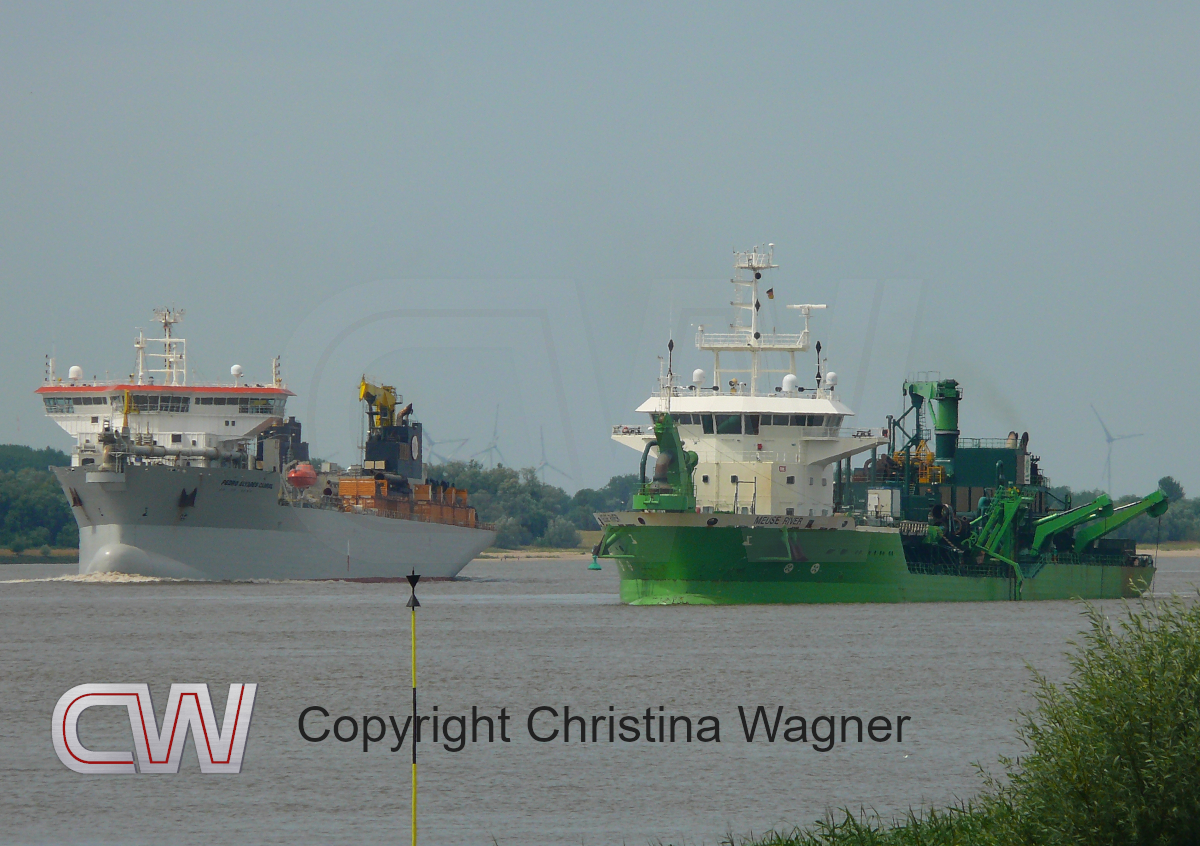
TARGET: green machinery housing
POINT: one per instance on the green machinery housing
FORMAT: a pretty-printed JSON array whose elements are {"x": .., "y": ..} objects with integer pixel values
[{"x": 979, "y": 503}]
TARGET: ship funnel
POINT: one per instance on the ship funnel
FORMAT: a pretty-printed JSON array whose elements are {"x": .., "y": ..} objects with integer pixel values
[
  {"x": 944, "y": 413},
  {"x": 943, "y": 399}
]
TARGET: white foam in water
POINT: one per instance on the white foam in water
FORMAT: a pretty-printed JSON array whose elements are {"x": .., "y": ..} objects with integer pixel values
[{"x": 97, "y": 578}]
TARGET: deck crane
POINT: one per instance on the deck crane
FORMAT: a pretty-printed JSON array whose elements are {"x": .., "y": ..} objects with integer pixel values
[{"x": 381, "y": 405}]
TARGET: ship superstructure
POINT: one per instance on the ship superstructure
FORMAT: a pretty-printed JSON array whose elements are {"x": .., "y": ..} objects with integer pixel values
[
  {"x": 212, "y": 481},
  {"x": 764, "y": 443},
  {"x": 192, "y": 423}
]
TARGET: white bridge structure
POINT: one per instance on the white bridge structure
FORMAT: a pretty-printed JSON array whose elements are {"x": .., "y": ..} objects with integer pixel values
[
  {"x": 764, "y": 446},
  {"x": 159, "y": 406}
]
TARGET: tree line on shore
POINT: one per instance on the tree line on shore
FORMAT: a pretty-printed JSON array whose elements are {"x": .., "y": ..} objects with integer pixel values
[
  {"x": 33, "y": 511},
  {"x": 526, "y": 510}
]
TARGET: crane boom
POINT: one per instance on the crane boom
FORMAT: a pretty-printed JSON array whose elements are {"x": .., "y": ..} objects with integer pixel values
[{"x": 381, "y": 400}]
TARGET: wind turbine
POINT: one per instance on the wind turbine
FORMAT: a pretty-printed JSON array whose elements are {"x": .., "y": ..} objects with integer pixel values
[
  {"x": 1110, "y": 439},
  {"x": 492, "y": 445},
  {"x": 455, "y": 445},
  {"x": 543, "y": 464}
]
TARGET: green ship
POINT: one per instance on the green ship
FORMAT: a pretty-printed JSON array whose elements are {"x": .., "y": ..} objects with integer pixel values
[{"x": 754, "y": 496}]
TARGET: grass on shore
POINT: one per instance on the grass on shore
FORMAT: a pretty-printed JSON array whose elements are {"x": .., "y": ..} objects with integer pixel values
[
  {"x": 38, "y": 556},
  {"x": 1169, "y": 545}
]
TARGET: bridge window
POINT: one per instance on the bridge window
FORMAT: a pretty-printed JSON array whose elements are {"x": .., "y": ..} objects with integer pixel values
[
  {"x": 706, "y": 421},
  {"x": 204, "y": 400},
  {"x": 218, "y": 400},
  {"x": 798, "y": 420},
  {"x": 778, "y": 420},
  {"x": 730, "y": 424},
  {"x": 751, "y": 424}
]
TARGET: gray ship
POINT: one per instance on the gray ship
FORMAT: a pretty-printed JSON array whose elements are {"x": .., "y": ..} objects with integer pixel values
[{"x": 178, "y": 480}]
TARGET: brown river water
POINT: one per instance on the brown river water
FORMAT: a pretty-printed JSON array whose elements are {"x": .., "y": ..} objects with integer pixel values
[{"x": 517, "y": 634}]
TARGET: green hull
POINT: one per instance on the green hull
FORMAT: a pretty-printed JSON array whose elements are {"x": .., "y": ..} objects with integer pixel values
[{"x": 664, "y": 565}]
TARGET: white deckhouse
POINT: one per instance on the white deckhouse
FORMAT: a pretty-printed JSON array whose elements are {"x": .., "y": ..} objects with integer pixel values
[
  {"x": 765, "y": 447},
  {"x": 173, "y": 419}
]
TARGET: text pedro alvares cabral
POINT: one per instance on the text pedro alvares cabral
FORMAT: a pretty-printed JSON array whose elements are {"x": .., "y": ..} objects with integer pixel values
[{"x": 548, "y": 724}]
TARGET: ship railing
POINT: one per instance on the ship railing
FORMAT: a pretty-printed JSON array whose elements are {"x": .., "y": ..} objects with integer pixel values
[
  {"x": 744, "y": 341},
  {"x": 986, "y": 443},
  {"x": 809, "y": 431},
  {"x": 697, "y": 391}
]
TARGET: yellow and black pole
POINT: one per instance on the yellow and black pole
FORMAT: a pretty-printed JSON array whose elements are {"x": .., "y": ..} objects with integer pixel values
[{"x": 413, "y": 605}]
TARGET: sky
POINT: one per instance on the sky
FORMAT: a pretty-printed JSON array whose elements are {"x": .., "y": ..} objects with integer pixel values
[{"x": 506, "y": 210}]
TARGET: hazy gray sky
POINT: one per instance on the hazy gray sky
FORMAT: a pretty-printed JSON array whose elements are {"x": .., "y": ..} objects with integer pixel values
[{"x": 515, "y": 205}]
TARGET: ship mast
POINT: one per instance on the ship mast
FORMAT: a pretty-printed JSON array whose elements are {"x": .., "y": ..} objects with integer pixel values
[
  {"x": 174, "y": 354},
  {"x": 745, "y": 336}
]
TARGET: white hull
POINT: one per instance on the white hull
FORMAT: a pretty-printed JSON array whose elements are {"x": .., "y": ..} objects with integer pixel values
[{"x": 133, "y": 522}]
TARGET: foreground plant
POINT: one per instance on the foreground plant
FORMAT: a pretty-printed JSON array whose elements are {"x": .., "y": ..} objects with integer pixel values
[{"x": 1114, "y": 753}]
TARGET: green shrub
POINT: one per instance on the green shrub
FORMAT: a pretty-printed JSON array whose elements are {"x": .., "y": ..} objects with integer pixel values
[
  {"x": 561, "y": 534},
  {"x": 510, "y": 534},
  {"x": 1114, "y": 753}
]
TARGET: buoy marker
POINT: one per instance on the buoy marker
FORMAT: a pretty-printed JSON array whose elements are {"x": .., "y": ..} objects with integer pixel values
[{"x": 413, "y": 605}]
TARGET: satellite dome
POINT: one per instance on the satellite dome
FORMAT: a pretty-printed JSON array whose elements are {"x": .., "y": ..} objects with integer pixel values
[
  {"x": 789, "y": 382},
  {"x": 235, "y": 371},
  {"x": 697, "y": 377},
  {"x": 831, "y": 378},
  {"x": 76, "y": 372}
]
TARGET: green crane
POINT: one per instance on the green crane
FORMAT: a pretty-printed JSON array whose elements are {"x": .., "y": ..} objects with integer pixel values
[
  {"x": 671, "y": 489},
  {"x": 1053, "y": 524},
  {"x": 1155, "y": 505}
]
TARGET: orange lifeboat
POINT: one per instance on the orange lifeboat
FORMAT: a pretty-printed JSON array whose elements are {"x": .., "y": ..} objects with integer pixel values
[{"x": 302, "y": 476}]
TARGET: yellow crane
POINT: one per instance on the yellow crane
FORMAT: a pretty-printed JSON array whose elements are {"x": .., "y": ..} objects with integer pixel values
[{"x": 381, "y": 400}]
